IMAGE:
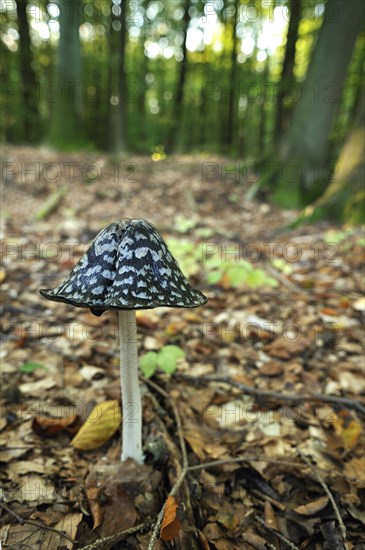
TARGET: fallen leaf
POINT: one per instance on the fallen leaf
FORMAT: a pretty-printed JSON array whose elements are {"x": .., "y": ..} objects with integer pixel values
[
  {"x": 229, "y": 520},
  {"x": 47, "y": 427},
  {"x": 355, "y": 468},
  {"x": 69, "y": 525},
  {"x": 347, "y": 429},
  {"x": 97, "y": 512},
  {"x": 270, "y": 518},
  {"x": 100, "y": 425},
  {"x": 312, "y": 507},
  {"x": 284, "y": 348},
  {"x": 171, "y": 525}
]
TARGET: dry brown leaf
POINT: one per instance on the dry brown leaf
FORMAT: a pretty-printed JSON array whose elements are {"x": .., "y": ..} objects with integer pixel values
[
  {"x": 117, "y": 489},
  {"x": 347, "y": 429},
  {"x": 97, "y": 511},
  {"x": 100, "y": 425},
  {"x": 229, "y": 520},
  {"x": 270, "y": 518},
  {"x": 312, "y": 507},
  {"x": 69, "y": 525},
  {"x": 171, "y": 525},
  {"x": 284, "y": 348},
  {"x": 355, "y": 468},
  {"x": 47, "y": 427}
]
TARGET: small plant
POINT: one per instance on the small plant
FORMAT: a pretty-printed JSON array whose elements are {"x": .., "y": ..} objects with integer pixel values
[
  {"x": 283, "y": 266},
  {"x": 165, "y": 360},
  {"x": 227, "y": 274},
  {"x": 30, "y": 367}
]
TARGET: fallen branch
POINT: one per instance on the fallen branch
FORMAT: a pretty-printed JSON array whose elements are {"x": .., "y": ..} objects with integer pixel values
[
  {"x": 51, "y": 203},
  {"x": 267, "y": 394}
]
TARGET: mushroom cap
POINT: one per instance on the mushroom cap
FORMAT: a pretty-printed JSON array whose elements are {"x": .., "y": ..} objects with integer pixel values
[{"x": 128, "y": 266}]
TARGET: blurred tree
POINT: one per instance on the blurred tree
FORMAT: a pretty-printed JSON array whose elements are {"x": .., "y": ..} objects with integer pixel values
[
  {"x": 306, "y": 143},
  {"x": 344, "y": 198},
  {"x": 143, "y": 70},
  {"x": 66, "y": 130},
  {"x": 118, "y": 84},
  {"x": 176, "y": 116},
  {"x": 29, "y": 91},
  {"x": 287, "y": 73},
  {"x": 233, "y": 91}
]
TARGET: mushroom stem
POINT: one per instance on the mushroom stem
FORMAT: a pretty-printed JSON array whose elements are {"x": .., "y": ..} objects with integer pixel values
[{"x": 131, "y": 395}]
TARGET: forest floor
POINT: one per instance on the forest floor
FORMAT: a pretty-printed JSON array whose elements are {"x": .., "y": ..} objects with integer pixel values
[{"x": 254, "y": 437}]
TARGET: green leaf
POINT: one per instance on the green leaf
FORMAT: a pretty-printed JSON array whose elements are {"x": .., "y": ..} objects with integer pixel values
[
  {"x": 148, "y": 363},
  {"x": 258, "y": 277},
  {"x": 183, "y": 225},
  {"x": 283, "y": 266},
  {"x": 31, "y": 367},
  {"x": 237, "y": 274},
  {"x": 168, "y": 356},
  {"x": 214, "y": 276}
]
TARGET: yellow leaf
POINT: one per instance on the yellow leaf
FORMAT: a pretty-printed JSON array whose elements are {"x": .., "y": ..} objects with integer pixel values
[
  {"x": 348, "y": 429},
  {"x": 312, "y": 507},
  {"x": 100, "y": 425}
]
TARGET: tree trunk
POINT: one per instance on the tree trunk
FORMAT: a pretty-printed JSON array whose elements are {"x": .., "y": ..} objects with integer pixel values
[
  {"x": 306, "y": 143},
  {"x": 66, "y": 118},
  {"x": 287, "y": 73},
  {"x": 344, "y": 198},
  {"x": 175, "y": 125},
  {"x": 232, "y": 84},
  {"x": 27, "y": 75},
  {"x": 142, "y": 86},
  {"x": 119, "y": 92}
]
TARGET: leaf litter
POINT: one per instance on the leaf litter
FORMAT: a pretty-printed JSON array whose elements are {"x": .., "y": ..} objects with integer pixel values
[{"x": 289, "y": 324}]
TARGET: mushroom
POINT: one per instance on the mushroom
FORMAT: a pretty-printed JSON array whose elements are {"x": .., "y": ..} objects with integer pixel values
[{"x": 127, "y": 267}]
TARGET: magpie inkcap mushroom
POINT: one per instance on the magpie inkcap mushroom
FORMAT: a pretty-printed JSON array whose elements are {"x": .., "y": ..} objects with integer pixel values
[{"x": 127, "y": 267}]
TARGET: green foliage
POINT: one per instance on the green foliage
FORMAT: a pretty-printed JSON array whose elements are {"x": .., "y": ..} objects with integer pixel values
[
  {"x": 186, "y": 254},
  {"x": 228, "y": 274},
  {"x": 165, "y": 360},
  {"x": 283, "y": 266},
  {"x": 30, "y": 367},
  {"x": 152, "y": 76}
]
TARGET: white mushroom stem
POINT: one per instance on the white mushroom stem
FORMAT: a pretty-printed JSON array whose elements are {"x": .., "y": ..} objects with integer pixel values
[{"x": 131, "y": 395}]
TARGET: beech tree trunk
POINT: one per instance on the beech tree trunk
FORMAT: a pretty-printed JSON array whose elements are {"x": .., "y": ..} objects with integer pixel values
[
  {"x": 287, "y": 74},
  {"x": 232, "y": 84},
  {"x": 306, "y": 143},
  {"x": 118, "y": 80},
  {"x": 66, "y": 130},
  {"x": 29, "y": 90},
  {"x": 344, "y": 198},
  {"x": 175, "y": 125}
]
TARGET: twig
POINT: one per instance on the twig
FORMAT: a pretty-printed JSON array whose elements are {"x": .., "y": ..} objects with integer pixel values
[
  {"x": 51, "y": 203},
  {"x": 223, "y": 461},
  {"x": 107, "y": 542},
  {"x": 284, "y": 280},
  {"x": 328, "y": 493},
  {"x": 34, "y": 523},
  {"x": 177, "y": 418},
  {"x": 184, "y": 467},
  {"x": 286, "y": 541},
  {"x": 160, "y": 516},
  {"x": 260, "y": 394}
]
